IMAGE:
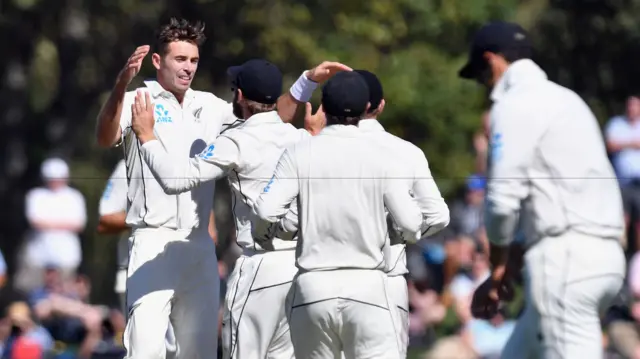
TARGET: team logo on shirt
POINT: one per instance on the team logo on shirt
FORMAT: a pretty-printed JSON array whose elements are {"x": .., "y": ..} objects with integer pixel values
[
  {"x": 107, "y": 191},
  {"x": 196, "y": 113},
  {"x": 162, "y": 115},
  {"x": 496, "y": 147},
  {"x": 207, "y": 153},
  {"x": 268, "y": 186}
]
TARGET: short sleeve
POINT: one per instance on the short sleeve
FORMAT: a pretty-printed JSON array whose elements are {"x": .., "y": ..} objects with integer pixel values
[
  {"x": 3, "y": 265},
  {"x": 617, "y": 130},
  {"x": 220, "y": 115},
  {"x": 114, "y": 196}
]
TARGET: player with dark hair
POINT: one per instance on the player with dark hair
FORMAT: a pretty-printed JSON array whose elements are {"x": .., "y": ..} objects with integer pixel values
[
  {"x": 172, "y": 272},
  {"x": 549, "y": 177}
]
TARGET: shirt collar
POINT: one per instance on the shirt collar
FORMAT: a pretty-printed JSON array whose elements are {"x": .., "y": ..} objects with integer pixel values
[
  {"x": 370, "y": 125},
  {"x": 263, "y": 118},
  {"x": 520, "y": 72},
  {"x": 341, "y": 130},
  {"x": 156, "y": 90}
]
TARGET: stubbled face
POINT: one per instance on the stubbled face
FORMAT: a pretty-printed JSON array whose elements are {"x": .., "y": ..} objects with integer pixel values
[{"x": 177, "y": 67}]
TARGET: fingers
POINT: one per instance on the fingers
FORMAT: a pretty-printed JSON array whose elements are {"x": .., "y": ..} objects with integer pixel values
[
  {"x": 320, "y": 110},
  {"x": 147, "y": 101},
  {"x": 307, "y": 109},
  {"x": 139, "y": 103},
  {"x": 335, "y": 66}
]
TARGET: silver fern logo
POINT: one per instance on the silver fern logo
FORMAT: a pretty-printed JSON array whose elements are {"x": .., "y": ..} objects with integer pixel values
[{"x": 197, "y": 112}]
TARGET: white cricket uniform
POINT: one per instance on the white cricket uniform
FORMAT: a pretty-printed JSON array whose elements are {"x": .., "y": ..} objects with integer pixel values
[
  {"x": 172, "y": 273},
  {"x": 114, "y": 200},
  {"x": 340, "y": 301},
  {"x": 548, "y": 164},
  {"x": 247, "y": 155},
  {"x": 414, "y": 169}
]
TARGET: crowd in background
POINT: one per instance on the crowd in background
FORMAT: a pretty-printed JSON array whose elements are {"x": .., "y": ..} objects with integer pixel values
[{"x": 46, "y": 313}]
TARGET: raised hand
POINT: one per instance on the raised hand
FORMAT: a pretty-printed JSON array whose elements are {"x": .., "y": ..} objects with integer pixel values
[
  {"x": 142, "y": 120},
  {"x": 314, "y": 123},
  {"x": 326, "y": 70},
  {"x": 133, "y": 65}
]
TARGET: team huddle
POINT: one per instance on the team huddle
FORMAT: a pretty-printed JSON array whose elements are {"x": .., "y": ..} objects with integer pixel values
[{"x": 322, "y": 214}]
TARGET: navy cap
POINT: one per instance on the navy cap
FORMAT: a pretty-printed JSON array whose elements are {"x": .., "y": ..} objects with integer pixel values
[
  {"x": 345, "y": 94},
  {"x": 494, "y": 37},
  {"x": 375, "y": 88},
  {"x": 259, "y": 80}
]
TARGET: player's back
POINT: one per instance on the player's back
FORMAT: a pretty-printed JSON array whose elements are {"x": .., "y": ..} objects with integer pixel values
[
  {"x": 261, "y": 140},
  {"x": 572, "y": 183},
  {"x": 342, "y": 179}
]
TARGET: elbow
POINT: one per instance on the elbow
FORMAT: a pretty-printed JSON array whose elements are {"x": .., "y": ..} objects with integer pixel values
[
  {"x": 169, "y": 187},
  {"x": 264, "y": 212}
]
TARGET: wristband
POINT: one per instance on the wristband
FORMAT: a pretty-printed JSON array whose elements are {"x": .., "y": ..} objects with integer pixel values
[{"x": 303, "y": 88}]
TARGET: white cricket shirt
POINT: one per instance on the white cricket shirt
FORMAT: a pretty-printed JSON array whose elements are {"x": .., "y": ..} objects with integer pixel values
[
  {"x": 185, "y": 131},
  {"x": 246, "y": 154},
  {"x": 342, "y": 181},
  {"x": 548, "y": 162},
  {"x": 413, "y": 168},
  {"x": 114, "y": 200},
  {"x": 55, "y": 246}
]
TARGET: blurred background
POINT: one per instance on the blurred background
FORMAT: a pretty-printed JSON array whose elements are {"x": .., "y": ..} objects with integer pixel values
[{"x": 61, "y": 57}]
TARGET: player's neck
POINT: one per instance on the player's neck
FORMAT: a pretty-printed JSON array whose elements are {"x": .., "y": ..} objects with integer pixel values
[{"x": 179, "y": 95}]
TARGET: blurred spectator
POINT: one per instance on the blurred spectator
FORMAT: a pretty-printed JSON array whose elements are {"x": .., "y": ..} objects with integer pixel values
[
  {"x": 62, "y": 307},
  {"x": 3, "y": 270},
  {"x": 23, "y": 319},
  {"x": 622, "y": 135},
  {"x": 487, "y": 338},
  {"x": 57, "y": 214},
  {"x": 623, "y": 325},
  {"x": 467, "y": 214},
  {"x": 464, "y": 284}
]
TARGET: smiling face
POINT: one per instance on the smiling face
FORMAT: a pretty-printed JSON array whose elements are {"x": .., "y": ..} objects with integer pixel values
[{"x": 177, "y": 66}]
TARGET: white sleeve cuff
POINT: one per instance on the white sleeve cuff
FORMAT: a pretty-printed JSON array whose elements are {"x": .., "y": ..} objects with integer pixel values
[{"x": 303, "y": 88}]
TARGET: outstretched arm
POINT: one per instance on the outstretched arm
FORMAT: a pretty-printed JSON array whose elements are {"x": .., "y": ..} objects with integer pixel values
[{"x": 174, "y": 174}]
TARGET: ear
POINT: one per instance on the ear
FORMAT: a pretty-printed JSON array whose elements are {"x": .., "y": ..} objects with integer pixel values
[
  {"x": 381, "y": 106},
  {"x": 155, "y": 59},
  {"x": 368, "y": 107},
  {"x": 240, "y": 96}
]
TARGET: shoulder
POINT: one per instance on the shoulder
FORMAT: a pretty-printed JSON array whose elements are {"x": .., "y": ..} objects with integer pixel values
[
  {"x": 617, "y": 122},
  {"x": 210, "y": 100},
  {"x": 37, "y": 193},
  {"x": 121, "y": 168}
]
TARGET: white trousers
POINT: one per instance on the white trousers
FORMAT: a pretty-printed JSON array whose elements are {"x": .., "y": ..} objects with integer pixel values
[
  {"x": 570, "y": 282},
  {"x": 346, "y": 311},
  {"x": 399, "y": 295},
  {"x": 254, "y": 322},
  {"x": 172, "y": 278}
]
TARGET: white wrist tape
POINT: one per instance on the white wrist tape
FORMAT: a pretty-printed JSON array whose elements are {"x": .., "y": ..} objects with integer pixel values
[{"x": 303, "y": 88}]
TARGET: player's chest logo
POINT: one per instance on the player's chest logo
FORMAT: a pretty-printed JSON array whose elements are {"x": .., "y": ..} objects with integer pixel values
[{"x": 162, "y": 115}]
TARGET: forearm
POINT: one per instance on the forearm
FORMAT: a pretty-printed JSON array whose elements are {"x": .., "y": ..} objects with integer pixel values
[
  {"x": 174, "y": 176},
  {"x": 299, "y": 93},
  {"x": 60, "y": 226},
  {"x": 108, "y": 126},
  {"x": 112, "y": 223}
]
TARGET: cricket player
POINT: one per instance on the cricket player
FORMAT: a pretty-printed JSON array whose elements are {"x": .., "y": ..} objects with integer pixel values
[
  {"x": 547, "y": 165},
  {"x": 172, "y": 273},
  {"x": 414, "y": 168},
  {"x": 342, "y": 182},
  {"x": 247, "y": 155},
  {"x": 113, "y": 212}
]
